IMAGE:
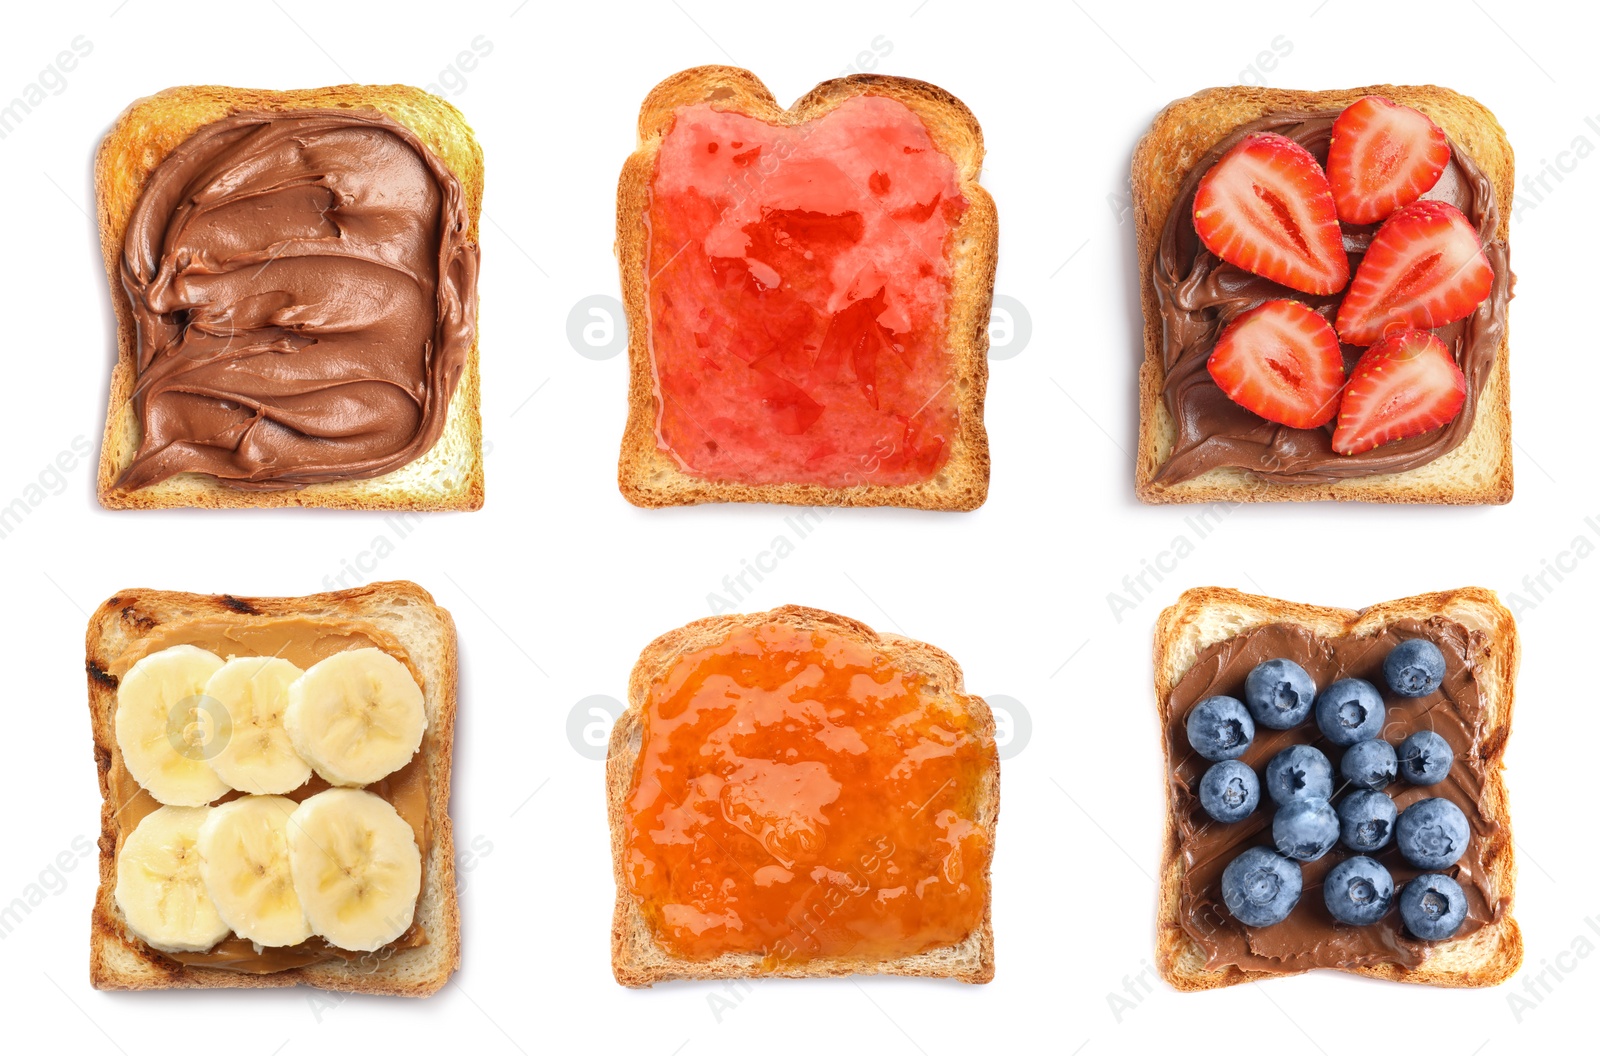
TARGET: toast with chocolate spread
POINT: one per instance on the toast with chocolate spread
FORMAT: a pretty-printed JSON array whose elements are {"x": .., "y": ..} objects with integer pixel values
[
  {"x": 402, "y": 619},
  {"x": 807, "y": 324},
  {"x": 1206, "y": 644},
  {"x": 778, "y": 841},
  {"x": 1197, "y": 446},
  {"x": 294, "y": 279}
]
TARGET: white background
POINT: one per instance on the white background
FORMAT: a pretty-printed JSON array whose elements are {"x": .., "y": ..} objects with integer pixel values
[{"x": 557, "y": 583}]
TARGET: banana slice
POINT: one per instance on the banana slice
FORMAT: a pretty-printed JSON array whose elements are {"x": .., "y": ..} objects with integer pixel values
[
  {"x": 166, "y": 726},
  {"x": 356, "y": 717},
  {"x": 258, "y": 756},
  {"x": 159, "y": 888},
  {"x": 244, "y": 861},
  {"x": 356, "y": 867}
]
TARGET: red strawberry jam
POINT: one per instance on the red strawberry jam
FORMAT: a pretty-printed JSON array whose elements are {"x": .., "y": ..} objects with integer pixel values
[{"x": 798, "y": 281}]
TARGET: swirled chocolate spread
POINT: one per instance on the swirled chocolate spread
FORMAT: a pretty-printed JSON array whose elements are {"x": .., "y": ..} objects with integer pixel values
[
  {"x": 305, "y": 291},
  {"x": 1199, "y": 295},
  {"x": 1309, "y": 937}
]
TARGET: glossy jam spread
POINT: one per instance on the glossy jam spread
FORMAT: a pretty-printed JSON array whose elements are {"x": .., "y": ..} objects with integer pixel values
[
  {"x": 798, "y": 796},
  {"x": 798, "y": 282}
]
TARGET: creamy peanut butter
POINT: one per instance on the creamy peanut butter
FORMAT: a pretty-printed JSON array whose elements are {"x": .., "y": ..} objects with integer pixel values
[{"x": 303, "y": 641}]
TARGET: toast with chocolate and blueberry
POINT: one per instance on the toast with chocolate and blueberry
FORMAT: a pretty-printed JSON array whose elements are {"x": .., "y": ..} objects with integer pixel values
[{"x": 1335, "y": 789}]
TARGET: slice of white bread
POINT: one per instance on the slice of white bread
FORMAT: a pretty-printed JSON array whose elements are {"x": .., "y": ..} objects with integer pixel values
[
  {"x": 450, "y": 475},
  {"x": 1476, "y": 472},
  {"x": 1204, "y": 616},
  {"x": 637, "y": 959},
  {"x": 402, "y": 611},
  {"x": 649, "y": 476}
]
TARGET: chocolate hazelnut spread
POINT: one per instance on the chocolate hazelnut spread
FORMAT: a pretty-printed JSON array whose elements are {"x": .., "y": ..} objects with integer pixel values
[
  {"x": 1310, "y": 937},
  {"x": 302, "y": 641},
  {"x": 1199, "y": 295},
  {"x": 305, "y": 292}
]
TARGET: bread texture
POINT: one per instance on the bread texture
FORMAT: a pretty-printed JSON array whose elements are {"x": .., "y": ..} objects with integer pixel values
[
  {"x": 449, "y": 476},
  {"x": 1204, "y": 616},
  {"x": 649, "y": 476},
  {"x": 1479, "y": 471},
  {"x": 636, "y": 958},
  {"x": 401, "y": 610}
]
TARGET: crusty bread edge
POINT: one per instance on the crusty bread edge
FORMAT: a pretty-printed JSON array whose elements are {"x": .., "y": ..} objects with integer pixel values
[
  {"x": 139, "y": 611},
  {"x": 1189, "y": 128},
  {"x": 1179, "y": 639},
  {"x": 143, "y": 135},
  {"x": 650, "y": 477},
  {"x": 636, "y": 961}
]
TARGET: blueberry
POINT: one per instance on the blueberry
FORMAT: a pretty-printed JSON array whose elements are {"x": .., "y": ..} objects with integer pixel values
[
  {"x": 1366, "y": 820},
  {"x": 1279, "y": 694},
  {"x": 1220, "y": 728},
  {"x": 1433, "y": 907},
  {"x": 1299, "y": 772},
  {"x": 1305, "y": 829},
  {"x": 1229, "y": 791},
  {"x": 1432, "y": 833},
  {"x": 1414, "y": 668},
  {"x": 1369, "y": 764},
  {"x": 1425, "y": 758},
  {"x": 1260, "y": 887},
  {"x": 1350, "y": 710},
  {"x": 1358, "y": 891}
]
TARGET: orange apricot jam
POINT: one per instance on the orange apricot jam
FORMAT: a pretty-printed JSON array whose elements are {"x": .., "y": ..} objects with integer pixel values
[
  {"x": 797, "y": 795},
  {"x": 798, "y": 282}
]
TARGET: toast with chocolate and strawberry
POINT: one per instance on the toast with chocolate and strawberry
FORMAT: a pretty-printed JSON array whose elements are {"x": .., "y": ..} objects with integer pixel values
[{"x": 1325, "y": 277}]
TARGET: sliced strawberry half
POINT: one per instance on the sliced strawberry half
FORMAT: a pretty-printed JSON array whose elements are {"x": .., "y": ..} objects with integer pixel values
[
  {"x": 1424, "y": 268},
  {"x": 1266, "y": 207},
  {"x": 1382, "y": 156},
  {"x": 1405, "y": 385},
  {"x": 1281, "y": 360}
]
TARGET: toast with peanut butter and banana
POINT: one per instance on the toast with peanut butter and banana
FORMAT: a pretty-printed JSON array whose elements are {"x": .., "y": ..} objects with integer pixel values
[{"x": 275, "y": 777}]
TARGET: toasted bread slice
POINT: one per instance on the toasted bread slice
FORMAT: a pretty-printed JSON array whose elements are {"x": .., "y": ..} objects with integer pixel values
[
  {"x": 1476, "y": 472},
  {"x": 637, "y": 959},
  {"x": 400, "y": 610},
  {"x": 449, "y": 476},
  {"x": 649, "y": 476},
  {"x": 1204, "y": 616}
]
